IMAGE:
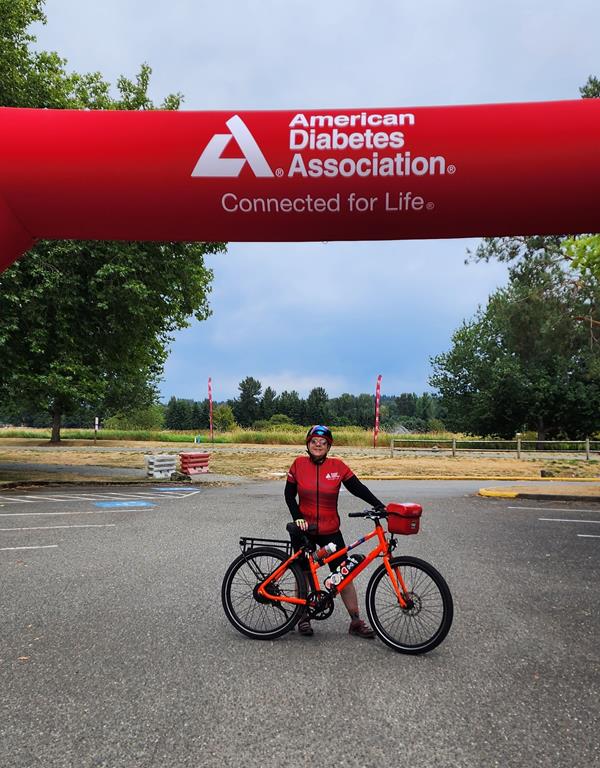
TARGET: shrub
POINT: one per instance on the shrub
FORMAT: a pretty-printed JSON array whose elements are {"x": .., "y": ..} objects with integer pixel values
[
  {"x": 223, "y": 418},
  {"x": 281, "y": 418},
  {"x": 151, "y": 418}
]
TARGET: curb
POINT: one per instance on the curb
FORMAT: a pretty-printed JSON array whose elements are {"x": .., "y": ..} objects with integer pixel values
[
  {"x": 490, "y": 493},
  {"x": 497, "y": 494}
]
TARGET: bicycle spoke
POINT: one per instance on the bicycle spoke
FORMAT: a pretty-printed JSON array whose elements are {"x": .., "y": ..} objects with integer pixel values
[
  {"x": 252, "y": 613},
  {"x": 416, "y": 624}
]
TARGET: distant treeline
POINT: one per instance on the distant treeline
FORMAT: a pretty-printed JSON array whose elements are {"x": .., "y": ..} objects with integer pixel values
[
  {"x": 263, "y": 409},
  {"x": 258, "y": 409}
]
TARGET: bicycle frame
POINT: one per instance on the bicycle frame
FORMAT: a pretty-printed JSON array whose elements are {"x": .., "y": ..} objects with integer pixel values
[{"x": 382, "y": 549}]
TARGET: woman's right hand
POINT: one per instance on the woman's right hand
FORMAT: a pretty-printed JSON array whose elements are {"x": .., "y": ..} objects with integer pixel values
[{"x": 302, "y": 524}]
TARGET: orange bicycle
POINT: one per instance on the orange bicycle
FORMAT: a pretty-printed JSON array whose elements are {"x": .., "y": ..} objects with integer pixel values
[{"x": 266, "y": 590}]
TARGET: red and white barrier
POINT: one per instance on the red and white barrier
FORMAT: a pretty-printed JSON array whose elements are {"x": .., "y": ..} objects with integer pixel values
[{"x": 194, "y": 463}]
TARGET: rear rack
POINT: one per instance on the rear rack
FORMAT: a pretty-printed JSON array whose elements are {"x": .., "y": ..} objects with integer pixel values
[{"x": 251, "y": 542}]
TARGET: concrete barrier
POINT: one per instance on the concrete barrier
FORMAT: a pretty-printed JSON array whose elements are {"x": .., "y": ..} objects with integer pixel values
[{"x": 161, "y": 466}]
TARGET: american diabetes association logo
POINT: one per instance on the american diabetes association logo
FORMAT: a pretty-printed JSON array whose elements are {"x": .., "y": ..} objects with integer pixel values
[
  {"x": 361, "y": 144},
  {"x": 211, "y": 162}
]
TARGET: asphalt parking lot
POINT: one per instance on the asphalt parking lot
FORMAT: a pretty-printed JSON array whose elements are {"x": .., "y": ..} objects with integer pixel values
[{"x": 115, "y": 651}]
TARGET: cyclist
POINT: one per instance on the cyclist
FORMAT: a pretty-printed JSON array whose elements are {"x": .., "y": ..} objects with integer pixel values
[{"x": 316, "y": 480}]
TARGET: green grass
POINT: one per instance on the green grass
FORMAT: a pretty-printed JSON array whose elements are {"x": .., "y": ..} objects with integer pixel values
[
  {"x": 106, "y": 434},
  {"x": 350, "y": 436},
  {"x": 289, "y": 435}
]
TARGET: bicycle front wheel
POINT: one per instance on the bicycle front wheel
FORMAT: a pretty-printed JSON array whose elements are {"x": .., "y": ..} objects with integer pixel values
[
  {"x": 250, "y": 613},
  {"x": 425, "y": 622}
]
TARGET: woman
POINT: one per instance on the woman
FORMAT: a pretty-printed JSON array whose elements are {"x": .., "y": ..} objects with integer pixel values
[{"x": 316, "y": 480}]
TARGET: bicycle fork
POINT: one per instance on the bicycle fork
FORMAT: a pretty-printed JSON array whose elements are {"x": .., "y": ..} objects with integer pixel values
[{"x": 398, "y": 584}]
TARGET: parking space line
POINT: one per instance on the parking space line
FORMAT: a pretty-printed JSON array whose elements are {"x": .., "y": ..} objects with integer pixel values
[
  {"x": 53, "y": 527},
  {"x": 33, "y": 499},
  {"x": 57, "y": 498},
  {"x": 588, "y": 536},
  {"x": 40, "y": 498},
  {"x": 553, "y": 509},
  {"x": 50, "y": 514},
  {"x": 45, "y": 546},
  {"x": 186, "y": 491},
  {"x": 134, "y": 495},
  {"x": 74, "y": 497},
  {"x": 567, "y": 520}
]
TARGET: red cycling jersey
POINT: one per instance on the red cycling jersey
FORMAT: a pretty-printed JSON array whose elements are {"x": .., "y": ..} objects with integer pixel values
[{"x": 318, "y": 490}]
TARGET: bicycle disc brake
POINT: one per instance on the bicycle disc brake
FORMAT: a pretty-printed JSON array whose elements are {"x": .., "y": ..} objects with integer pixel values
[
  {"x": 413, "y": 604},
  {"x": 320, "y": 605}
]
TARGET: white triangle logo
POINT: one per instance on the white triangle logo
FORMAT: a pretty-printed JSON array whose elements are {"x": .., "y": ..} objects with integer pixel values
[{"x": 212, "y": 164}]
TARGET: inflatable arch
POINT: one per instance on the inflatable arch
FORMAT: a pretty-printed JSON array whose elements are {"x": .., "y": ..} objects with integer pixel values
[{"x": 359, "y": 174}]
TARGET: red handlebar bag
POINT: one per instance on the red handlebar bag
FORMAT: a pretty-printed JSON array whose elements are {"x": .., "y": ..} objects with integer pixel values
[{"x": 404, "y": 518}]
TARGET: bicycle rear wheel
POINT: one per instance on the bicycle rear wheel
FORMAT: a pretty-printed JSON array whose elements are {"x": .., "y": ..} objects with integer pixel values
[
  {"x": 251, "y": 614},
  {"x": 425, "y": 622}
]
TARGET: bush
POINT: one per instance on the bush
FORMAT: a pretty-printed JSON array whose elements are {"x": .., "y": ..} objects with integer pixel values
[
  {"x": 151, "y": 418},
  {"x": 261, "y": 424},
  {"x": 281, "y": 418},
  {"x": 223, "y": 418},
  {"x": 435, "y": 425},
  {"x": 276, "y": 422}
]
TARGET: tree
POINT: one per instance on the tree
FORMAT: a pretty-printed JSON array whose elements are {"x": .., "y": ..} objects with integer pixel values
[
  {"x": 87, "y": 323},
  {"x": 247, "y": 407},
  {"x": 290, "y": 404},
  {"x": 413, "y": 424},
  {"x": 177, "y": 414},
  {"x": 223, "y": 418},
  {"x": 201, "y": 415},
  {"x": 406, "y": 404},
  {"x": 317, "y": 411},
  {"x": 425, "y": 407},
  {"x": 151, "y": 418},
  {"x": 365, "y": 411},
  {"x": 526, "y": 360},
  {"x": 388, "y": 413},
  {"x": 268, "y": 403},
  {"x": 591, "y": 90},
  {"x": 342, "y": 410},
  {"x": 585, "y": 250},
  {"x": 90, "y": 323},
  {"x": 30, "y": 78}
]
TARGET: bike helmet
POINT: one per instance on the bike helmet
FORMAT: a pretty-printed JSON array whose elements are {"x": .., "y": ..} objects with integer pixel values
[{"x": 319, "y": 431}]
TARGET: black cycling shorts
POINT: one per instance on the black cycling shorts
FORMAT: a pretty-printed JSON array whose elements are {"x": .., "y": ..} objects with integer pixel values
[{"x": 320, "y": 539}]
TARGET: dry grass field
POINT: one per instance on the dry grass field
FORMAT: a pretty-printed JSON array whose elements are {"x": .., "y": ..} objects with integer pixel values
[{"x": 271, "y": 462}]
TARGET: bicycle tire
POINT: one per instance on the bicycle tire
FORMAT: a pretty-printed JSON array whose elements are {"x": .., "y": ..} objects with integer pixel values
[
  {"x": 248, "y": 614},
  {"x": 424, "y": 626}
]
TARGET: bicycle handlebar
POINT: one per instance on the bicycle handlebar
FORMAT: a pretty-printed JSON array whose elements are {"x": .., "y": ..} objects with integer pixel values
[{"x": 372, "y": 513}]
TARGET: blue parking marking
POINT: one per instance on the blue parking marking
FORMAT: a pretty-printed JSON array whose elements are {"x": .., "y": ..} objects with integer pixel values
[
  {"x": 114, "y": 504},
  {"x": 177, "y": 489}
]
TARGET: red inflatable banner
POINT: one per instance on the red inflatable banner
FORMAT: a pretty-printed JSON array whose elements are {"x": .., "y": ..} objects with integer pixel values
[{"x": 360, "y": 174}]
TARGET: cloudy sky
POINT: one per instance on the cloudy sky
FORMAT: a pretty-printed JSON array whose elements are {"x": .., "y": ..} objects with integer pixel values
[{"x": 332, "y": 314}]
